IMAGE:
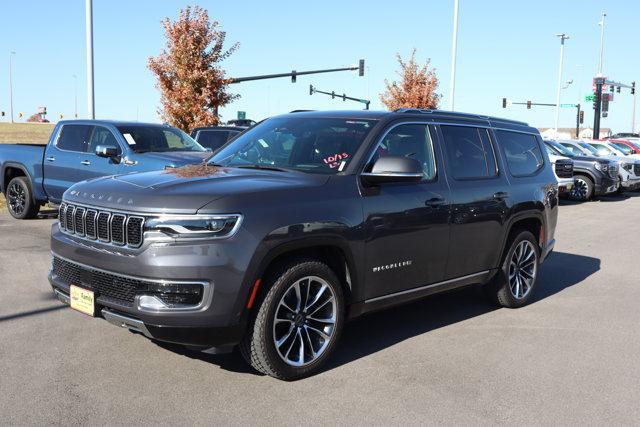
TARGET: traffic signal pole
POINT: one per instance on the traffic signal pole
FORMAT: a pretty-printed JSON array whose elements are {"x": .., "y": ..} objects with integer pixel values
[
  {"x": 344, "y": 97},
  {"x": 597, "y": 107},
  {"x": 293, "y": 74}
]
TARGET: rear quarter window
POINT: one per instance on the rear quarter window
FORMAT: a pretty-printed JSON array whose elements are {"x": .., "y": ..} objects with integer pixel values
[{"x": 521, "y": 151}]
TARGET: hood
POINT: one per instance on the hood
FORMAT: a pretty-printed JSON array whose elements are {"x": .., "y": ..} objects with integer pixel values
[
  {"x": 176, "y": 158},
  {"x": 169, "y": 191}
]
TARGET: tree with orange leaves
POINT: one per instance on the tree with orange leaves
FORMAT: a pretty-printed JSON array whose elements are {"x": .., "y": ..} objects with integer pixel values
[
  {"x": 191, "y": 81},
  {"x": 416, "y": 89}
]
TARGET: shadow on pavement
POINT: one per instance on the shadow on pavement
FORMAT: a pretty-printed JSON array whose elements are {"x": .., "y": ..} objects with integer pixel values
[
  {"x": 376, "y": 331},
  {"x": 31, "y": 313}
]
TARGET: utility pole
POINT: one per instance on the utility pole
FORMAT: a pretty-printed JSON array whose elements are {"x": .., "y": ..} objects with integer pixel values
[
  {"x": 633, "y": 114},
  {"x": 75, "y": 96},
  {"x": 578, "y": 122},
  {"x": 11, "y": 85},
  {"x": 454, "y": 48},
  {"x": 563, "y": 37},
  {"x": 601, "y": 23},
  {"x": 89, "y": 24}
]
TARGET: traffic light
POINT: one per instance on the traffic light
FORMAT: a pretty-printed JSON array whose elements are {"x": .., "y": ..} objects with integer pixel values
[
  {"x": 528, "y": 105},
  {"x": 361, "y": 67},
  {"x": 293, "y": 76},
  {"x": 618, "y": 89},
  {"x": 504, "y": 102},
  {"x": 633, "y": 88},
  {"x": 1, "y": 113},
  {"x": 611, "y": 88},
  {"x": 605, "y": 104},
  {"x": 581, "y": 117}
]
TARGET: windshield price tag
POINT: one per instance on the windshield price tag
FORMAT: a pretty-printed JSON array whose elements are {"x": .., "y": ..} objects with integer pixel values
[{"x": 129, "y": 139}]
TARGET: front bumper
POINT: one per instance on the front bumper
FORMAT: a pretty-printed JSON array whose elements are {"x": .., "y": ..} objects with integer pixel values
[
  {"x": 631, "y": 184},
  {"x": 606, "y": 185},
  {"x": 215, "y": 322}
]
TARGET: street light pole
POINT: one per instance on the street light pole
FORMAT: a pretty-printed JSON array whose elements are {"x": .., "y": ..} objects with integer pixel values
[
  {"x": 11, "y": 85},
  {"x": 563, "y": 37},
  {"x": 75, "y": 96},
  {"x": 90, "y": 93},
  {"x": 454, "y": 48},
  {"x": 601, "y": 23}
]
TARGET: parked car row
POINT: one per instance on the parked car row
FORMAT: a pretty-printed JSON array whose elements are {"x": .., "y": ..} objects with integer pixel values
[{"x": 599, "y": 167}]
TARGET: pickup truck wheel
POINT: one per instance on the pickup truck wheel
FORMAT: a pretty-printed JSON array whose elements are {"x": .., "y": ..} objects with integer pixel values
[
  {"x": 513, "y": 285},
  {"x": 298, "y": 323},
  {"x": 582, "y": 188},
  {"x": 20, "y": 199}
]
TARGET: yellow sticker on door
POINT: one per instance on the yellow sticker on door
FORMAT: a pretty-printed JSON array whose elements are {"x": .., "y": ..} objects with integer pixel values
[{"x": 82, "y": 300}]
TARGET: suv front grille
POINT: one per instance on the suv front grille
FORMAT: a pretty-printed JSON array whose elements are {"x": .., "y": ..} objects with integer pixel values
[
  {"x": 564, "y": 169},
  {"x": 108, "y": 227},
  {"x": 121, "y": 289}
]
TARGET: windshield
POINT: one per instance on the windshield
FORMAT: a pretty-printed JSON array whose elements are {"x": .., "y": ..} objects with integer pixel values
[
  {"x": 318, "y": 145},
  {"x": 589, "y": 148},
  {"x": 603, "y": 150},
  {"x": 561, "y": 149},
  {"x": 158, "y": 139},
  {"x": 621, "y": 147}
]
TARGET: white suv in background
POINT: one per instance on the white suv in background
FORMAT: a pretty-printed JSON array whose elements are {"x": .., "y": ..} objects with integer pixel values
[{"x": 563, "y": 170}]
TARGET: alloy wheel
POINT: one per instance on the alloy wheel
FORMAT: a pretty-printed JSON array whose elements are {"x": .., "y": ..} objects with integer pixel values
[
  {"x": 17, "y": 198},
  {"x": 304, "y": 321},
  {"x": 523, "y": 269},
  {"x": 580, "y": 190}
]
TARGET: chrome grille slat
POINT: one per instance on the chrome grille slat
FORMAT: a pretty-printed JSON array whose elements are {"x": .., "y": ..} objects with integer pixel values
[{"x": 108, "y": 227}]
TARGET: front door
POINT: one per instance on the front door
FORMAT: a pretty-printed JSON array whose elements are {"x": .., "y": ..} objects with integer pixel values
[
  {"x": 93, "y": 166},
  {"x": 406, "y": 224}
]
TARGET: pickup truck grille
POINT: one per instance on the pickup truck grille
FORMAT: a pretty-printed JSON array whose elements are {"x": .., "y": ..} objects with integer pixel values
[
  {"x": 564, "y": 169},
  {"x": 636, "y": 169},
  {"x": 109, "y": 227}
]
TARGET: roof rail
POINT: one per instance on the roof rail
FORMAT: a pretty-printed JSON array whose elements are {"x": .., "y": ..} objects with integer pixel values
[
  {"x": 456, "y": 114},
  {"x": 300, "y": 111}
]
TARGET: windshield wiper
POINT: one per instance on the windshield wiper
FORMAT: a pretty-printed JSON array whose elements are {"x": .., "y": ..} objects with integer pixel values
[{"x": 262, "y": 167}]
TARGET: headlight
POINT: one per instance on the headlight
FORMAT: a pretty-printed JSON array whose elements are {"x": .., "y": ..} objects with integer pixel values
[
  {"x": 602, "y": 167},
  {"x": 195, "y": 227}
]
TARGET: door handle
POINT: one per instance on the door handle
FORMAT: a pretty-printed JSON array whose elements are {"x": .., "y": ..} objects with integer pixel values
[
  {"x": 86, "y": 162},
  {"x": 435, "y": 201},
  {"x": 500, "y": 195},
  {"x": 51, "y": 159}
]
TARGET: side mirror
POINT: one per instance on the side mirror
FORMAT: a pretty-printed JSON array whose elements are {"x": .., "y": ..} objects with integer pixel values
[
  {"x": 393, "y": 169},
  {"x": 107, "y": 151}
]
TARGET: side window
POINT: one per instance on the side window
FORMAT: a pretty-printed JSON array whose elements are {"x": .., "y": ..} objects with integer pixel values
[
  {"x": 173, "y": 140},
  {"x": 522, "y": 152},
  {"x": 410, "y": 140},
  {"x": 102, "y": 136},
  {"x": 469, "y": 152},
  {"x": 213, "y": 139},
  {"x": 74, "y": 138},
  {"x": 573, "y": 149}
]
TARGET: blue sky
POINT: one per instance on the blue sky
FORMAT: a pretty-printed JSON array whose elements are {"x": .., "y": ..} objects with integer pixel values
[{"x": 505, "y": 49}]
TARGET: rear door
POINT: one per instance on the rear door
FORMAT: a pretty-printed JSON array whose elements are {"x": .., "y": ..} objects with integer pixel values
[
  {"x": 479, "y": 199},
  {"x": 93, "y": 166},
  {"x": 62, "y": 159}
]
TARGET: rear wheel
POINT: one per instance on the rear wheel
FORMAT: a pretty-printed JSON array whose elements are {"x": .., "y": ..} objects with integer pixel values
[
  {"x": 20, "y": 201},
  {"x": 582, "y": 188},
  {"x": 298, "y": 323},
  {"x": 514, "y": 284}
]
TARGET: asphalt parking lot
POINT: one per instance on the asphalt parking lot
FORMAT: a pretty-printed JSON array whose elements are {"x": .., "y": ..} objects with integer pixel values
[{"x": 572, "y": 357}]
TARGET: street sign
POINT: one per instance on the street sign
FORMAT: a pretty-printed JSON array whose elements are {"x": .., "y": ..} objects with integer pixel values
[
  {"x": 242, "y": 115},
  {"x": 590, "y": 98},
  {"x": 568, "y": 105}
]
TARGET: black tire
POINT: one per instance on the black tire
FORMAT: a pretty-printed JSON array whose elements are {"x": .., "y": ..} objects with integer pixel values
[
  {"x": 20, "y": 201},
  {"x": 582, "y": 188},
  {"x": 259, "y": 346},
  {"x": 501, "y": 290}
]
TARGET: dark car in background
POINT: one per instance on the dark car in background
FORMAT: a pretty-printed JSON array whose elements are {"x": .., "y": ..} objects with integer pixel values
[
  {"x": 306, "y": 220},
  {"x": 33, "y": 174},
  {"x": 593, "y": 176},
  {"x": 214, "y": 137}
]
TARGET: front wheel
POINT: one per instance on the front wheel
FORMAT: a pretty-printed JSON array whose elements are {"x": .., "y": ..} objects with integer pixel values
[
  {"x": 513, "y": 285},
  {"x": 582, "y": 188},
  {"x": 20, "y": 201},
  {"x": 298, "y": 322}
]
